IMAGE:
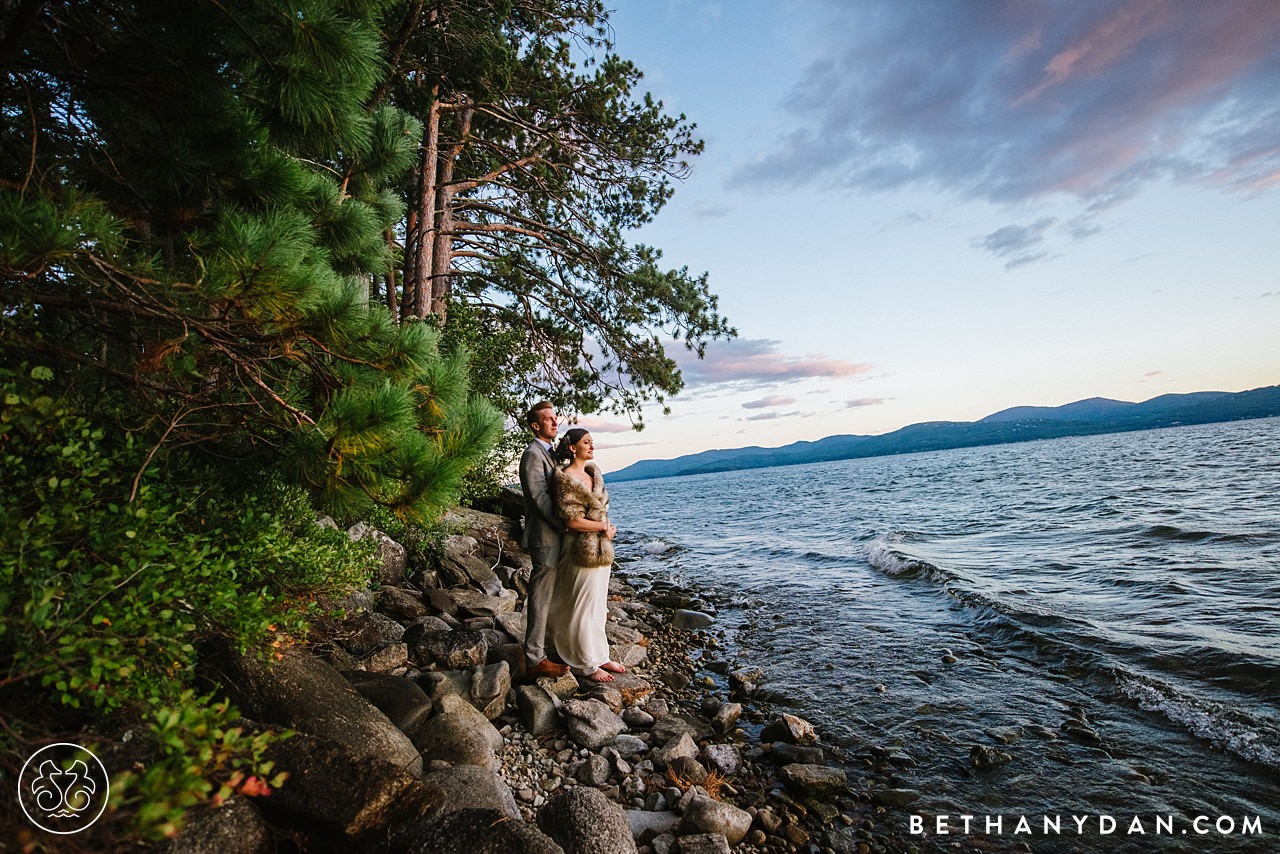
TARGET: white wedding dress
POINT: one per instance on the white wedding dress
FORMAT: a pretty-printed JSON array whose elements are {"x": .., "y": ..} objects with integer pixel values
[{"x": 579, "y": 608}]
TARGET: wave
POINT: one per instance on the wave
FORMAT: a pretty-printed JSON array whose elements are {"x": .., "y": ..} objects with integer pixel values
[
  {"x": 1225, "y": 727},
  {"x": 1076, "y": 646},
  {"x": 887, "y": 555},
  {"x": 1183, "y": 535},
  {"x": 657, "y": 547}
]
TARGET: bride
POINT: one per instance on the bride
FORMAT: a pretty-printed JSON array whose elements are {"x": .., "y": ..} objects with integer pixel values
[{"x": 578, "y": 607}]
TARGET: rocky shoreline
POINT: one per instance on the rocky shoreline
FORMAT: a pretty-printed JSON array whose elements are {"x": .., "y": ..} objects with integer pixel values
[{"x": 417, "y": 731}]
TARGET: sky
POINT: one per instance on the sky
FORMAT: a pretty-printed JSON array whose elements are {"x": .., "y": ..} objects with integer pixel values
[{"x": 932, "y": 211}]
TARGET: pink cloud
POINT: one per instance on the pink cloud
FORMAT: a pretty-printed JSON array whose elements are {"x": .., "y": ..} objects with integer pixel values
[
  {"x": 758, "y": 361},
  {"x": 1013, "y": 100},
  {"x": 599, "y": 425},
  {"x": 765, "y": 402}
]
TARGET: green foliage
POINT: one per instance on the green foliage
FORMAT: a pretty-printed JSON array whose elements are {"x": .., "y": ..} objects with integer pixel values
[
  {"x": 111, "y": 576},
  {"x": 193, "y": 203},
  {"x": 200, "y": 758},
  {"x": 545, "y": 165}
]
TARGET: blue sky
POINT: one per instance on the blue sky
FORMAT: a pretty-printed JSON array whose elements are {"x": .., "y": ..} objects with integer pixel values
[{"x": 920, "y": 211}]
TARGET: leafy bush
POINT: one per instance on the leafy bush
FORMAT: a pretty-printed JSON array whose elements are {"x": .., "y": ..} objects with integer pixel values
[{"x": 117, "y": 561}]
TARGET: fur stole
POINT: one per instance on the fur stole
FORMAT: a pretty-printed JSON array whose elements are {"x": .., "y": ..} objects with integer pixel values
[{"x": 590, "y": 548}]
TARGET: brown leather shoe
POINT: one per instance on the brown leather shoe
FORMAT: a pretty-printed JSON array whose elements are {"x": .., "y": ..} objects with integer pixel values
[{"x": 546, "y": 667}]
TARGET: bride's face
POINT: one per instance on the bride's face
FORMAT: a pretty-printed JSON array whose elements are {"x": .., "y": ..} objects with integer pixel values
[{"x": 585, "y": 449}]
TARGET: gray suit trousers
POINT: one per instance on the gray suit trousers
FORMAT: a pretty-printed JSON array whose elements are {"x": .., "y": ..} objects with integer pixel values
[{"x": 542, "y": 584}]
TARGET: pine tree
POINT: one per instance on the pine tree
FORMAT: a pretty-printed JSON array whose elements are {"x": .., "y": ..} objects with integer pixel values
[
  {"x": 195, "y": 200},
  {"x": 538, "y": 157}
]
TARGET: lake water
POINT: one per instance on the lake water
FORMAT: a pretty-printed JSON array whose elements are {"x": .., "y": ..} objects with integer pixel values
[{"x": 1104, "y": 610}]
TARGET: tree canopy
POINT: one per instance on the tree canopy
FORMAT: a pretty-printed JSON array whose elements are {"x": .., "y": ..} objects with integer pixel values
[
  {"x": 263, "y": 256},
  {"x": 195, "y": 198},
  {"x": 538, "y": 158}
]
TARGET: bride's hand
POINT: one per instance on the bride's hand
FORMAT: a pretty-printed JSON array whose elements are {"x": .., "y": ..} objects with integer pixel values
[{"x": 611, "y": 531}]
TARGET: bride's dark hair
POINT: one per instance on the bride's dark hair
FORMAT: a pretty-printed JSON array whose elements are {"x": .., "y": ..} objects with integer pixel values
[{"x": 564, "y": 450}]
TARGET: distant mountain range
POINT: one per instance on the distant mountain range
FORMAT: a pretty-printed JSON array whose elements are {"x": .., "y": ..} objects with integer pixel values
[{"x": 1018, "y": 424}]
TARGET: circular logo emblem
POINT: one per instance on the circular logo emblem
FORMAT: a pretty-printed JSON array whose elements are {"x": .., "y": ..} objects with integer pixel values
[{"x": 63, "y": 788}]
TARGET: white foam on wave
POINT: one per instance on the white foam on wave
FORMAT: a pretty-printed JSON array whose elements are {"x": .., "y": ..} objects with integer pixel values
[
  {"x": 1206, "y": 720},
  {"x": 882, "y": 556},
  {"x": 655, "y": 547}
]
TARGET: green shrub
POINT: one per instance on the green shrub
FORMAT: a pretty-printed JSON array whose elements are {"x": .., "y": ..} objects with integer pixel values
[{"x": 117, "y": 562}]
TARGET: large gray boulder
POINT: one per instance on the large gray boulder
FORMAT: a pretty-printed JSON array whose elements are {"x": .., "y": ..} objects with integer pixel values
[
  {"x": 460, "y": 563},
  {"x": 451, "y": 738},
  {"x": 392, "y": 558},
  {"x": 479, "y": 604},
  {"x": 460, "y": 649},
  {"x": 724, "y": 759},
  {"x": 398, "y": 697},
  {"x": 402, "y": 604},
  {"x": 538, "y": 710},
  {"x": 691, "y": 620},
  {"x": 484, "y": 687},
  {"x": 726, "y": 717},
  {"x": 472, "y": 787},
  {"x": 645, "y": 824},
  {"x": 330, "y": 792},
  {"x": 591, "y": 723},
  {"x": 787, "y": 754},
  {"x": 438, "y": 684},
  {"x": 363, "y": 633},
  {"x": 584, "y": 821},
  {"x": 477, "y": 720},
  {"x": 497, "y": 536},
  {"x": 707, "y": 815},
  {"x": 301, "y": 692},
  {"x": 479, "y": 831},
  {"x": 620, "y": 634},
  {"x": 791, "y": 729},
  {"x": 513, "y": 624},
  {"x": 704, "y": 843},
  {"x": 681, "y": 746},
  {"x": 811, "y": 780},
  {"x": 670, "y": 726},
  {"x": 628, "y": 654},
  {"x": 386, "y": 659},
  {"x": 236, "y": 827},
  {"x": 459, "y": 735},
  {"x": 489, "y": 687}
]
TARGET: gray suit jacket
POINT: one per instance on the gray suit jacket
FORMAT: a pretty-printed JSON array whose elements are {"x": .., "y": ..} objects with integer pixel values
[{"x": 542, "y": 523}]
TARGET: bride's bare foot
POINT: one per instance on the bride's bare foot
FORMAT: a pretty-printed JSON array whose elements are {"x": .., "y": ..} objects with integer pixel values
[
  {"x": 613, "y": 667},
  {"x": 599, "y": 676}
]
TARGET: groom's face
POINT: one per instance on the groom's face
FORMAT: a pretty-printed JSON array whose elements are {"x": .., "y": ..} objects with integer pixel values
[{"x": 545, "y": 425}]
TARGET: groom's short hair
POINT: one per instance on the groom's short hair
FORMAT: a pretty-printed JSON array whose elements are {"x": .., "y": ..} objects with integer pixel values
[{"x": 532, "y": 415}]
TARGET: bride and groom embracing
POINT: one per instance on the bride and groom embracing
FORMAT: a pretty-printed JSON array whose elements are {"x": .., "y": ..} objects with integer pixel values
[{"x": 570, "y": 541}]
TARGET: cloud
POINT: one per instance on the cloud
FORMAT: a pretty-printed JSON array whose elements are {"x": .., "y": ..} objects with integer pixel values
[
  {"x": 1015, "y": 100},
  {"x": 865, "y": 401},
  {"x": 1271, "y": 294},
  {"x": 754, "y": 362},
  {"x": 768, "y": 401},
  {"x": 766, "y": 416},
  {"x": 1018, "y": 244},
  {"x": 703, "y": 211},
  {"x": 599, "y": 425},
  {"x": 907, "y": 219},
  {"x": 613, "y": 446}
]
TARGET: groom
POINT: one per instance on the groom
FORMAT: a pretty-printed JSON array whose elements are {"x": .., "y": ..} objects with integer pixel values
[{"x": 542, "y": 530}]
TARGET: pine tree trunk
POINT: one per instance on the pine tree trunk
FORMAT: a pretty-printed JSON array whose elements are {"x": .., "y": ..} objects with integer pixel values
[
  {"x": 418, "y": 288},
  {"x": 442, "y": 252},
  {"x": 391, "y": 273}
]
